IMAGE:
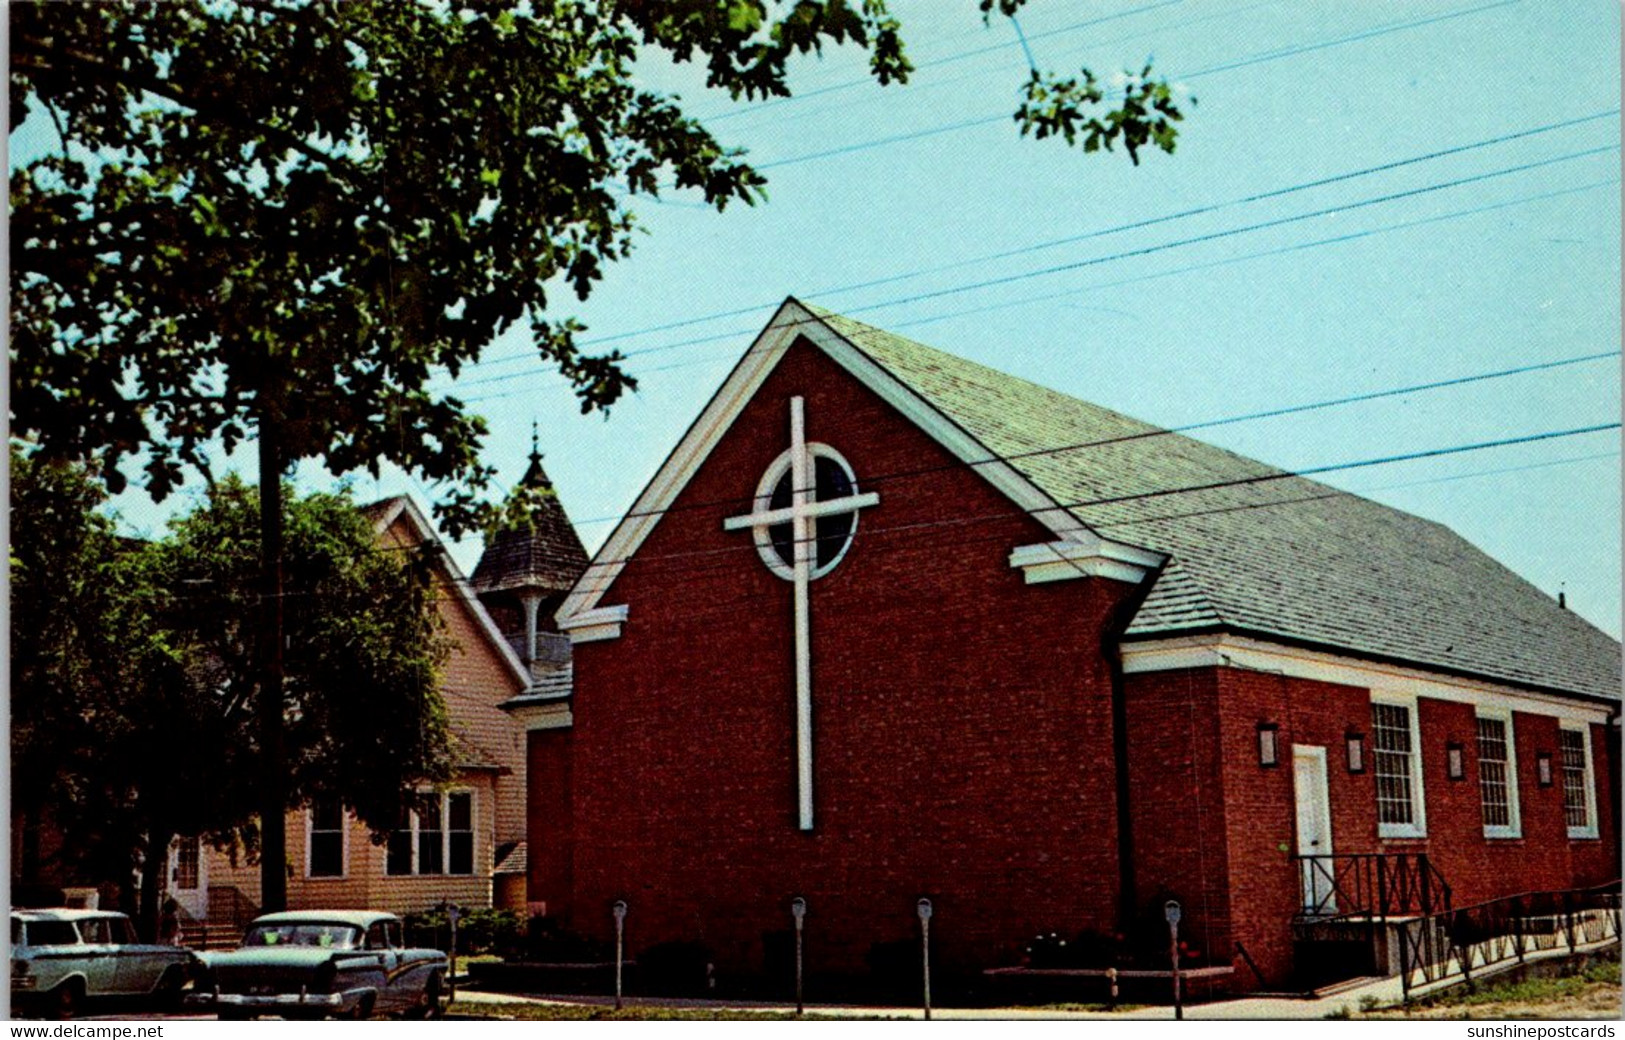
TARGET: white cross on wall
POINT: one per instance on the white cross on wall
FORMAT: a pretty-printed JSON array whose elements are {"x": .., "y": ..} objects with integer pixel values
[{"x": 803, "y": 510}]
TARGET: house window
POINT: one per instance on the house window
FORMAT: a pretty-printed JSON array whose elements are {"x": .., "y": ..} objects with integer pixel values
[
  {"x": 1573, "y": 745},
  {"x": 1497, "y": 778},
  {"x": 187, "y": 860},
  {"x": 326, "y": 838},
  {"x": 1393, "y": 761},
  {"x": 437, "y": 839}
]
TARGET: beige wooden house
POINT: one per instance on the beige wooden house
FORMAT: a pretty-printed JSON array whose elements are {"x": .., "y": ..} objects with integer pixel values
[{"x": 468, "y": 851}]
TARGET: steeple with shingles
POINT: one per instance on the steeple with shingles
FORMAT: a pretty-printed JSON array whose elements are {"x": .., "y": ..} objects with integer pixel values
[{"x": 529, "y": 565}]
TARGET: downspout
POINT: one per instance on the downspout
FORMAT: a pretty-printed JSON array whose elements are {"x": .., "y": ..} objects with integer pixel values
[{"x": 1111, "y": 648}]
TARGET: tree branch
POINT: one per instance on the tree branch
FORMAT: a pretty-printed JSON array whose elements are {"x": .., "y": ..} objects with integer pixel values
[{"x": 164, "y": 90}]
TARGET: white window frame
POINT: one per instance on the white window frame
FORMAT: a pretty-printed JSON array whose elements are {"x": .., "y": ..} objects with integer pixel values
[
  {"x": 344, "y": 845},
  {"x": 764, "y": 496},
  {"x": 1418, "y": 827},
  {"x": 1589, "y": 775},
  {"x": 445, "y": 837},
  {"x": 1514, "y": 825}
]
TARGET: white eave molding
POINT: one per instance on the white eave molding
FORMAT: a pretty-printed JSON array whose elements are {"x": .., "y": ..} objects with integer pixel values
[
  {"x": 590, "y": 626},
  {"x": 537, "y": 714},
  {"x": 1076, "y": 547},
  {"x": 457, "y": 581},
  {"x": 1390, "y": 681},
  {"x": 1084, "y": 557}
]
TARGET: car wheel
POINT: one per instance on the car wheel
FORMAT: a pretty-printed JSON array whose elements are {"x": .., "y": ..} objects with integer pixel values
[
  {"x": 362, "y": 1010},
  {"x": 169, "y": 991},
  {"x": 429, "y": 1006},
  {"x": 66, "y": 999}
]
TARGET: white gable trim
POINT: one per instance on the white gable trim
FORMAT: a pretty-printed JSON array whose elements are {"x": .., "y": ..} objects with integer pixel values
[
  {"x": 543, "y": 715},
  {"x": 790, "y": 321},
  {"x": 589, "y": 626},
  {"x": 454, "y": 576},
  {"x": 1385, "y": 681},
  {"x": 1094, "y": 557}
]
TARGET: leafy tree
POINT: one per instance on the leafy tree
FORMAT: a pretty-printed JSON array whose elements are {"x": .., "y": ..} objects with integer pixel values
[
  {"x": 280, "y": 218},
  {"x": 61, "y": 555},
  {"x": 135, "y": 678}
]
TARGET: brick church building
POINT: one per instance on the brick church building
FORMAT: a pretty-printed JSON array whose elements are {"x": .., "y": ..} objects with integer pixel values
[{"x": 888, "y": 624}]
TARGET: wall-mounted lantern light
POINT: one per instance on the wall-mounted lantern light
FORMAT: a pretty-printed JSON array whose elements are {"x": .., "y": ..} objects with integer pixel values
[
  {"x": 1268, "y": 750},
  {"x": 1543, "y": 768},
  {"x": 1354, "y": 740},
  {"x": 1455, "y": 762}
]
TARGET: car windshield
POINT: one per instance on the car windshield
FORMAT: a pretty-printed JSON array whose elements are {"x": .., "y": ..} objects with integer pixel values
[{"x": 336, "y": 936}]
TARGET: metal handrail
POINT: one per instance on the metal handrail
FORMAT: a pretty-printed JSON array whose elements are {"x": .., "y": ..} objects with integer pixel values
[
  {"x": 1371, "y": 885},
  {"x": 1461, "y": 941}
]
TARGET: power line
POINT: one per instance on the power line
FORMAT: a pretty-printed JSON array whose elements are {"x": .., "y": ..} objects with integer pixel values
[
  {"x": 931, "y": 63},
  {"x": 1118, "y": 228},
  {"x": 874, "y": 479},
  {"x": 1276, "y": 55},
  {"x": 871, "y": 531},
  {"x": 870, "y": 480},
  {"x": 1285, "y": 52},
  {"x": 1162, "y": 247},
  {"x": 916, "y": 89}
]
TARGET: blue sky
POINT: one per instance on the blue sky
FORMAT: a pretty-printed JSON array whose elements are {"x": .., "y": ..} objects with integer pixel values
[{"x": 1393, "y": 278}]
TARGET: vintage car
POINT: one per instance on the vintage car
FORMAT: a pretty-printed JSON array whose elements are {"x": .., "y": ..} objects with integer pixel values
[
  {"x": 61, "y": 958},
  {"x": 319, "y": 963}
]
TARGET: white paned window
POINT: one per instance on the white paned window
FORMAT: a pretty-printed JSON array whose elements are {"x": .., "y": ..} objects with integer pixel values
[
  {"x": 1395, "y": 765},
  {"x": 1575, "y": 746},
  {"x": 439, "y": 839},
  {"x": 1497, "y": 778},
  {"x": 326, "y": 842}
]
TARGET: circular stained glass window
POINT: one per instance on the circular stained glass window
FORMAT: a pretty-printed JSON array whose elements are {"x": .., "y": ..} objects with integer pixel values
[{"x": 831, "y": 534}]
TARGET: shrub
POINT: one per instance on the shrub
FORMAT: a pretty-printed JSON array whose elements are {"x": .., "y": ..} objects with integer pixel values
[
  {"x": 548, "y": 942},
  {"x": 479, "y": 930},
  {"x": 675, "y": 968}
]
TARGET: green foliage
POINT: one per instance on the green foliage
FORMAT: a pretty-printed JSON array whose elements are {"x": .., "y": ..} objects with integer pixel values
[
  {"x": 561, "y": 1012},
  {"x": 1070, "y": 108},
  {"x": 479, "y": 930},
  {"x": 364, "y": 719},
  {"x": 64, "y": 577},
  {"x": 133, "y": 675},
  {"x": 1531, "y": 990},
  {"x": 293, "y": 213}
]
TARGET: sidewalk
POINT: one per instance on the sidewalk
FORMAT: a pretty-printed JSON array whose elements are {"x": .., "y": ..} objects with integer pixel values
[
  {"x": 1380, "y": 992},
  {"x": 1384, "y": 990}
]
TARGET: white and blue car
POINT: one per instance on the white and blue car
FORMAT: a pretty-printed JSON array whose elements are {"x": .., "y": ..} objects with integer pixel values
[
  {"x": 322, "y": 963},
  {"x": 61, "y": 958}
]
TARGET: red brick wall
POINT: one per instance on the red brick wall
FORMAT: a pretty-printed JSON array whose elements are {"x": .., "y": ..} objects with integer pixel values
[
  {"x": 549, "y": 845},
  {"x": 963, "y": 745},
  {"x": 1174, "y": 780},
  {"x": 1178, "y": 829}
]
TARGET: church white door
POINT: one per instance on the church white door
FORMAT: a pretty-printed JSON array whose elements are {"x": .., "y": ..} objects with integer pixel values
[{"x": 1314, "y": 828}]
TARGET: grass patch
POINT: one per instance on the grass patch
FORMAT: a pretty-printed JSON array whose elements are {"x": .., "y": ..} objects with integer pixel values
[
  {"x": 1590, "y": 993},
  {"x": 1073, "y": 1006},
  {"x": 517, "y": 1011},
  {"x": 1532, "y": 991}
]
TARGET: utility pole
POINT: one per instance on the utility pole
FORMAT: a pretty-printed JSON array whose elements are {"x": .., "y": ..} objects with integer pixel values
[{"x": 273, "y": 779}]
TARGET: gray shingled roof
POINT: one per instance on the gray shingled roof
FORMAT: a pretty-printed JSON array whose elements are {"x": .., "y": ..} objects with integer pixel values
[
  {"x": 547, "y": 555},
  {"x": 1283, "y": 556}
]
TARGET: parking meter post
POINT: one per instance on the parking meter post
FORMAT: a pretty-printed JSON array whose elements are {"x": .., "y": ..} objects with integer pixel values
[
  {"x": 923, "y": 908},
  {"x": 1171, "y": 913},
  {"x": 619, "y": 910},
  {"x": 798, "y": 910},
  {"x": 1111, "y": 983},
  {"x": 452, "y": 914}
]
